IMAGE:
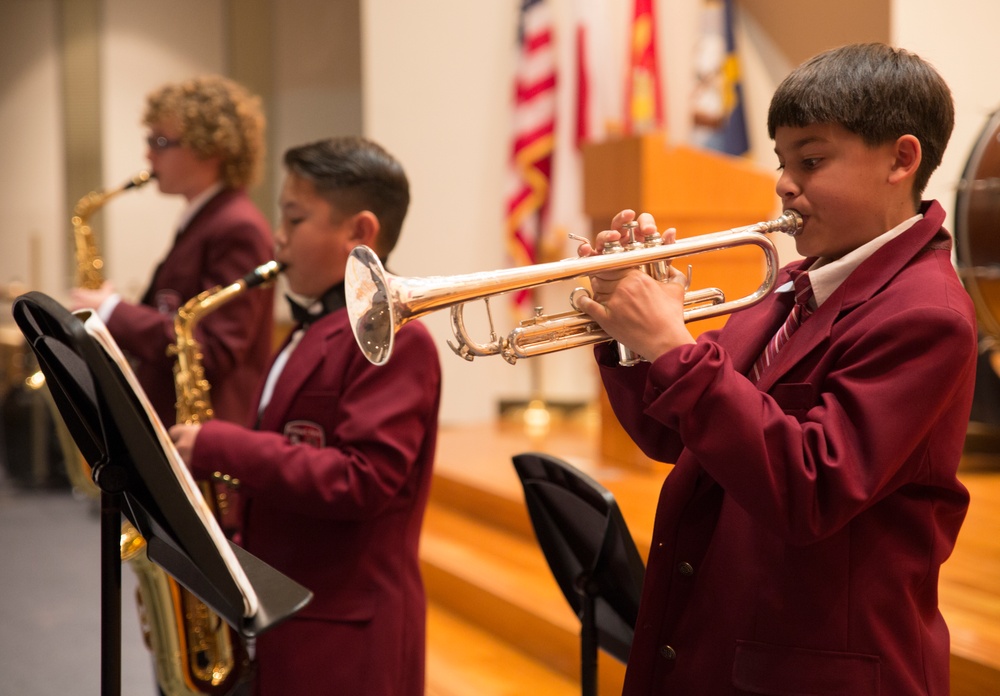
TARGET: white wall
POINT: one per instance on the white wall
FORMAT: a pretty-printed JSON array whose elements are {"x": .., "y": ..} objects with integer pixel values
[
  {"x": 31, "y": 174},
  {"x": 145, "y": 45},
  {"x": 960, "y": 39}
]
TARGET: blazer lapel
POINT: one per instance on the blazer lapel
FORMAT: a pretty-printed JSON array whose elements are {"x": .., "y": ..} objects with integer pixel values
[
  {"x": 747, "y": 333},
  {"x": 309, "y": 354}
]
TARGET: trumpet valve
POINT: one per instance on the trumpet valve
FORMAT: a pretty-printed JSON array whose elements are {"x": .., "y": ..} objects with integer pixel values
[
  {"x": 575, "y": 295},
  {"x": 629, "y": 229}
]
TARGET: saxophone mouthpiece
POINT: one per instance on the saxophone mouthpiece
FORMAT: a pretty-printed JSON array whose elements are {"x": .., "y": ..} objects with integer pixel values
[
  {"x": 263, "y": 274},
  {"x": 138, "y": 180}
]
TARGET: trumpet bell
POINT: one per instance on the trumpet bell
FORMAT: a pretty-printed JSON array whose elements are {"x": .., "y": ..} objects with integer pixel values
[{"x": 373, "y": 317}]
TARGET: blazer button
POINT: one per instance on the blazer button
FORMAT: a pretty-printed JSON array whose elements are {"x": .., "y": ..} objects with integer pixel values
[
  {"x": 667, "y": 652},
  {"x": 685, "y": 569}
]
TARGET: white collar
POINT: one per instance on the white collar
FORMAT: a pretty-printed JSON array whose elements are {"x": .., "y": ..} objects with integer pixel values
[{"x": 197, "y": 203}]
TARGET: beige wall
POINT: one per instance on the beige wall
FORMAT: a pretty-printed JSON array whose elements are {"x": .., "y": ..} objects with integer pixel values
[
  {"x": 31, "y": 159},
  {"x": 432, "y": 82}
]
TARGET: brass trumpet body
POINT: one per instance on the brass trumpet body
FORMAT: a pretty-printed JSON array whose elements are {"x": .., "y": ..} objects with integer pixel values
[{"x": 379, "y": 303}]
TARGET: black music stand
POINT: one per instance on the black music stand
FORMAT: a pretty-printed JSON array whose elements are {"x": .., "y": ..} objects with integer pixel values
[
  {"x": 591, "y": 553},
  {"x": 140, "y": 474}
]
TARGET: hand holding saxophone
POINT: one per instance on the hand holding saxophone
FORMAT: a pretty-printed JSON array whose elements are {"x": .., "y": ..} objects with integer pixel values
[
  {"x": 640, "y": 311},
  {"x": 87, "y": 298},
  {"x": 183, "y": 435}
]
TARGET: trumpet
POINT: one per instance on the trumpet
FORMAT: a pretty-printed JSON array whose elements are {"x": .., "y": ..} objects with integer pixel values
[{"x": 379, "y": 303}]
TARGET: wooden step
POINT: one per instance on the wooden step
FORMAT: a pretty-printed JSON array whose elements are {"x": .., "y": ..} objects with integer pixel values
[
  {"x": 465, "y": 660},
  {"x": 474, "y": 474},
  {"x": 501, "y": 582}
]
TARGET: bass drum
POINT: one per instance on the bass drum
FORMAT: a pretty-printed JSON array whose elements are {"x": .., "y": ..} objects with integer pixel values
[
  {"x": 977, "y": 247},
  {"x": 977, "y": 230}
]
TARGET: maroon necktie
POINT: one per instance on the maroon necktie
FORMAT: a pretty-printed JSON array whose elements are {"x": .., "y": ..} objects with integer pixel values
[{"x": 800, "y": 312}]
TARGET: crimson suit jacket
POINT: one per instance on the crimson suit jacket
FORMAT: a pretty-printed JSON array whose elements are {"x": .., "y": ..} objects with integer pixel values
[
  {"x": 798, "y": 538},
  {"x": 335, "y": 484},
  {"x": 224, "y": 241}
]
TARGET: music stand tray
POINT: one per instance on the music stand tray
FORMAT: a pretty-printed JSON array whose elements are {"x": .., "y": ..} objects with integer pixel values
[
  {"x": 591, "y": 554},
  {"x": 141, "y": 475}
]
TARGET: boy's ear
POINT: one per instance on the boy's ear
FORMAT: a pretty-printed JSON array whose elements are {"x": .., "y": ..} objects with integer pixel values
[
  {"x": 364, "y": 228},
  {"x": 907, "y": 157}
]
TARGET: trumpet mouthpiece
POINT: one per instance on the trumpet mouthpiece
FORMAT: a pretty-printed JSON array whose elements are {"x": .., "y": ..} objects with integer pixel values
[{"x": 790, "y": 223}]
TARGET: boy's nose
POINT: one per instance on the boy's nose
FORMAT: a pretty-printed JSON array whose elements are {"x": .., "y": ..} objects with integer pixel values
[
  {"x": 785, "y": 187},
  {"x": 279, "y": 233}
]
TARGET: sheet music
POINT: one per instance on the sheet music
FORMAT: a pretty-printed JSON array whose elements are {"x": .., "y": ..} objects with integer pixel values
[{"x": 97, "y": 329}]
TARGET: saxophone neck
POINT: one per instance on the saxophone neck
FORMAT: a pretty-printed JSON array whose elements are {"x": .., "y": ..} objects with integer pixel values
[
  {"x": 95, "y": 200},
  {"x": 191, "y": 312},
  {"x": 89, "y": 264},
  {"x": 193, "y": 400}
]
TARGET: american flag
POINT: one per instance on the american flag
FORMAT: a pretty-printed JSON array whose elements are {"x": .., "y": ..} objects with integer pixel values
[
  {"x": 643, "y": 107},
  {"x": 533, "y": 134}
]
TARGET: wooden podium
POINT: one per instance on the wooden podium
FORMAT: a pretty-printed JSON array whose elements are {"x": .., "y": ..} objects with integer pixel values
[{"x": 695, "y": 191}]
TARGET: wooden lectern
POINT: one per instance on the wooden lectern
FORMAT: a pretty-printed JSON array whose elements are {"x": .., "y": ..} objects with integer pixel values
[{"x": 697, "y": 192}]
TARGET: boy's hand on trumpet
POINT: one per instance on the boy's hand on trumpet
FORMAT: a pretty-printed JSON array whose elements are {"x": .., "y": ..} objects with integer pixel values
[{"x": 641, "y": 313}]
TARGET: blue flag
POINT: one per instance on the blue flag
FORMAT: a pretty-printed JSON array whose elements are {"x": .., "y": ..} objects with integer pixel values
[{"x": 719, "y": 122}]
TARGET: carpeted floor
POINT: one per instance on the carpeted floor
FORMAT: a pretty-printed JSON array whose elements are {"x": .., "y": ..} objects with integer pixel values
[{"x": 50, "y": 601}]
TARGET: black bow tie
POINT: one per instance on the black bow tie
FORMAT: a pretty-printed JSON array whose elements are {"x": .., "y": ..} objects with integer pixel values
[{"x": 332, "y": 300}]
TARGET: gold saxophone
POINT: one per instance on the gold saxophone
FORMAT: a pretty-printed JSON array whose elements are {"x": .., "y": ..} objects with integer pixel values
[
  {"x": 89, "y": 264},
  {"x": 196, "y": 651},
  {"x": 89, "y": 275}
]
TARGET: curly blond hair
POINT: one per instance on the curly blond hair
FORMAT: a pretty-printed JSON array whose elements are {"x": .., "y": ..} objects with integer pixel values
[{"x": 218, "y": 117}]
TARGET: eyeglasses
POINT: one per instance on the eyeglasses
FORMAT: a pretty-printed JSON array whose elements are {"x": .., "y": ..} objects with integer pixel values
[{"x": 159, "y": 142}]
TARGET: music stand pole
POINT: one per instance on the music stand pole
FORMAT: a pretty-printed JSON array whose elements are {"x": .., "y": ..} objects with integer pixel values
[
  {"x": 588, "y": 642},
  {"x": 111, "y": 593},
  {"x": 111, "y": 480}
]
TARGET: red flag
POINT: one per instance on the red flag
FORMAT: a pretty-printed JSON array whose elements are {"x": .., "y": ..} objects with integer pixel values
[
  {"x": 534, "y": 133},
  {"x": 643, "y": 109}
]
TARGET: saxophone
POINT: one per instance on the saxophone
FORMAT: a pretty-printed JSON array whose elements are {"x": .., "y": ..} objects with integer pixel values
[
  {"x": 89, "y": 275},
  {"x": 89, "y": 264},
  {"x": 196, "y": 651}
]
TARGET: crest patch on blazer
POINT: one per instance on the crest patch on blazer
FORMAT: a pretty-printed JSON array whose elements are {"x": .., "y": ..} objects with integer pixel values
[
  {"x": 305, "y": 432},
  {"x": 167, "y": 301}
]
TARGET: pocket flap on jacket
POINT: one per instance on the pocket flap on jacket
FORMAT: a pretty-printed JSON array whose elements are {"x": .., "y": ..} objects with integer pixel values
[{"x": 761, "y": 668}]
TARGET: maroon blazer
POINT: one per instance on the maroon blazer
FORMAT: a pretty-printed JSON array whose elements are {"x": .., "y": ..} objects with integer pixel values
[
  {"x": 335, "y": 484},
  {"x": 798, "y": 539},
  {"x": 224, "y": 241}
]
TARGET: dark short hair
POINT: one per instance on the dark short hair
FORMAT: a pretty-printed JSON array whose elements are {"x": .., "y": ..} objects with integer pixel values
[
  {"x": 356, "y": 174},
  {"x": 874, "y": 90}
]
